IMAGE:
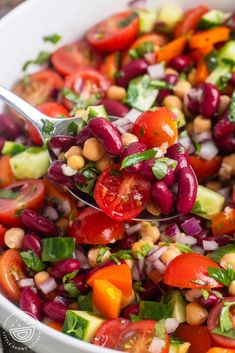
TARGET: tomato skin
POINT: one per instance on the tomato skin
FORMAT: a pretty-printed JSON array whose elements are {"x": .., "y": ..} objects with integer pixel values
[
  {"x": 123, "y": 196},
  {"x": 110, "y": 66},
  {"x": 186, "y": 268},
  {"x": 198, "y": 336},
  {"x": 213, "y": 322},
  {"x": 32, "y": 195},
  {"x": 154, "y": 128},
  {"x": 6, "y": 175},
  {"x": 223, "y": 222},
  {"x": 114, "y": 36},
  {"x": 2, "y": 233},
  {"x": 190, "y": 21},
  {"x": 204, "y": 169},
  {"x": 75, "y": 56},
  {"x": 95, "y": 227},
  {"x": 108, "y": 333},
  {"x": 11, "y": 270}
]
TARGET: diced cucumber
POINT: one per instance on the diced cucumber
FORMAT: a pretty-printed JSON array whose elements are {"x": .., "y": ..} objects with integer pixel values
[
  {"x": 174, "y": 347},
  {"x": 227, "y": 52},
  {"x": 208, "y": 202},
  {"x": 180, "y": 117},
  {"x": 95, "y": 111},
  {"x": 168, "y": 15},
  {"x": 220, "y": 76},
  {"x": 148, "y": 19},
  {"x": 30, "y": 164},
  {"x": 82, "y": 324},
  {"x": 212, "y": 18},
  {"x": 11, "y": 148},
  {"x": 55, "y": 249},
  {"x": 175, "y": 299}
]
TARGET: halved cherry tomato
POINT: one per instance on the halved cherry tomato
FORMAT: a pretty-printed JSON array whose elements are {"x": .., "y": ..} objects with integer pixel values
[
  {"x": 95, "y": 227},
  {"x": 213, "y": 322},
  {"x": 223, "y": 222},
  {"x": 28, "y": 194},
  {"x": 155, "y": 128},
  {"x": 121, "y": 196},
  {"x": 190, "y": 271},
  {"x": 108, "y": 333},
  {"x": 89, "y": 84},
  {"x": 52, "y": 109},
  {"x": 204, "y": 169},
  {"x": 6, "y": 175},
  {"x": 11, "y": 270},
  {"x": 2, "y": 233},
  {"x": 74, "y": 56},
  {"x": 190, "y": 21},
  {"x": 198, "y": 336},
  {"x": 115, "y": 33},
  {"x": 110, "y": 66}
]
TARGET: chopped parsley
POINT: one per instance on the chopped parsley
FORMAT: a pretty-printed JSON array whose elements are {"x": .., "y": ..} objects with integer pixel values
[
  {"x": 41, "y": 59},
  {"x": 221, "y": 275},
  {"x": 53, "y": 38}
]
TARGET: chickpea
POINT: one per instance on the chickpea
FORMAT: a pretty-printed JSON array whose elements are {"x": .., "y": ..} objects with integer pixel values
[
  {"x": 231, "y": 288},
  {"x": 230, "y": 161},
  {"x": 41, "y": 277},
  {"x": 76, "y": 162},
  {"x": 181, "y": 88},
  {"x": 79, "y": 113},
  {"x": 149, "y": 231},
  {"x": 184, "y": 347},
  {"x": 92, "y": 149},
  {"x": 214, "y": 185},
  {"x": 170, "y": 71},
  {"x": 127, "y": 300},
  {"x": 196, "y": 314},
  {"x": 93, "y": 254},
  {"x": 225, "y": 172},
  {"x": 103, "y": 163},
  {"x": 201, "y": 124},
  {"x": 128, "y": 138},
  {"x": 171, "y": 102},
  {"x": 223, "y": 103},
  {"x": 137, "y": 248},
  {"x": 152, "y": 209},
  {"x": 13, "y": 238},
  {"x": 74, "y": 150},
  {"x": 168, "y": 256},
  {"x": 228, "y": 259},
  {"x": 116, "y": 93},
  {"x": 191, "y": 77}
]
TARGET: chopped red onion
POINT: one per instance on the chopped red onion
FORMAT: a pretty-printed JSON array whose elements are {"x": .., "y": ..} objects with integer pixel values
[
  {"x": 157, "y": 345},
  {"x": 132, "y": 115},
  {"x": 48, "y": 286},
  {"x": 141, "y": 265},
  {"x": 133, "y": 229},
  {"x": 67, "y": 170},
  {"x": 135, "y": 273},
  {"x": 186, "y": 141},
  {"x": 50, "y": 213},
  {"x": 156, "y": 71},
  {"x": 193, "y": 294},
  {"x": 197, "y": 249},
  {"x": 56, "y": 151},
  {"x": 159, "y": 265},
  {"x": 225, "y": 192},
  {"x": 202, "y": 137},
  {"x": 172, "y": 230},
  {"x": 151, "y": 58},
  {"x": 208, "y": 150},
  {"x": 135, "y": 3},
  {"x": 21, "y": 140},
  {"x": 26, "y": 282},
  {"x": 209, "y": 245},
  {"x": 171, "y": 325},
  {"x": 191, "y": 226},
  {"x": 149, "y": 267},
  {"x": 81, "y": 257},
  {"x": 187, "y": 240},
  {"x": 152, "y": 257},
  {"x": 64, "y": 207}
]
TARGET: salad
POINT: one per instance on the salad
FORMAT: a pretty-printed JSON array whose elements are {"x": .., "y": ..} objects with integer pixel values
[{"x": 154, "y": 94}]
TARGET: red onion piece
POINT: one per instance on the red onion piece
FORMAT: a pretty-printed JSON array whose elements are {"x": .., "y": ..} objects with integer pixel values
[
  {"x": 135, "y": 273},
  {"x": 156, "y": 71},
  {"x": 159, "y": 265},
  {"x": 26, "y": 282},
  {"x": 133, "y": 229},
  {"x": 191, "y": 226},
  {"x": 154, "y": 255},
  {"x": 157, "y": 345},
  {"x": 172, "y": 230},
  {"x": 171, "y": 325},
  {"x": 193, "y": 294},
  {"x": 209, "y": 245},
  {"x": 187, "y": 240},
  {"x": 133, "y": 115},
  {"x": 202, "y": 137},
  {"x": 81, "y": 257},
  {"x": 50, "y": 213},
  {"x": 198, "y": 250},
  {"x": 48, "y": 286},
  {"x": 208, "y": 150}
]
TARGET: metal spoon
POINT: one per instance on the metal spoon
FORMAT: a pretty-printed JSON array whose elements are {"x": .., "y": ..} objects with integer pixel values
[{"x": 35, "y": 117}]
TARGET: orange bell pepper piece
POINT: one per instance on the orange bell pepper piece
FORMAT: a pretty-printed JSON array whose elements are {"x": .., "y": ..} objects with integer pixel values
[
  {"x": 221, "y": 350},
  {"x": 110, "y": 65},
  {"x": 223, "y": 222},
  {"x": 210, "y": 37},
  {"x": 202, "y": 72},
  {"x": 172, "y": 49},
  {"x": 118, "y": 275},
  {"x": 6, "y": 175},
  {"x": 55, "y": 326},
  {"x": 107, "y": 298}
]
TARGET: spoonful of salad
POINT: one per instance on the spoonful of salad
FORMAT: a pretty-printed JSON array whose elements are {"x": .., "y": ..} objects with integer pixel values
[{"x": 128, "y": 169}]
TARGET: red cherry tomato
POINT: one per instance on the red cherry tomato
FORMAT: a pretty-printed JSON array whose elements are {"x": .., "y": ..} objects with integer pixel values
[
  {"x": 190, "y": 21},
  {"x": 213, "y": 322},
  {"x": 28, "y": 194},
  {"x": 52, "y": 109},
  {"x": 155, "y": 128},
  {"x": 11, "y": 271},
  {"x": 2, "y": 233},
  {"x": 108, "y": 333},
  {"x": 198, "y": 336},
  {"x": 115, "y": 33},
  {"x": 204, "y": 169},
  {"x": 75, "y": 56},
  {"x": 110, "y": 66},
  {"x": 95, "y": 227},
  {"x": 122, "y": 195},
  {"x": 190, "y": 271},
  {"x": 89, "y": 84}
]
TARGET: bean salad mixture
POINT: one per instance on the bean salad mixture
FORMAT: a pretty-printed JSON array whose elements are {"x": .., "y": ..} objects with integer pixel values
[{"x": 154, "y": 94}]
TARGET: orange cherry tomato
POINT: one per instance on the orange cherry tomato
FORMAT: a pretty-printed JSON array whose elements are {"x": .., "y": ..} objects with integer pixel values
[
  {"x": 204, "y": 169},
  {"x": 6, "y": 175},
  {"x": 223, "y": 222},
  {"x": 110, "y": 66}
]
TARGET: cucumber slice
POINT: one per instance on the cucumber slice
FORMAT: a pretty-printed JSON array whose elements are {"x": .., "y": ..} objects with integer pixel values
[
  {"x": 95, "y": 111},
  {"x": 220, "y": 76},
  {"x": 212, "y": 18},
  {"x": 180, "y": 117},
  {"x": 30, "y": 164},
  {"x": 227, "y": 53},
  {"x": 55, "y": 249},
  {"x": 11, "y": 148},
  {"x": 148, "y": 18},
  {"x": 168, "y": 15},
  {"x": 177, "y": 302},
  {"x": 208, "y": 202},
  {"x": 82, "y": 324}
]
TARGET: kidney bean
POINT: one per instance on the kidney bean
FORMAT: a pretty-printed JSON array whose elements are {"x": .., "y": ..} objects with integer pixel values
[
  {"x": 132, "y": 309},
  {"x": 127, "y": 242},
  {"x": 162, "y": 197},
  {"x": 80, "y": 282},
  {"x": 131, "y": 70},
  {"x": 30, "y": 302},
  {"x": 9, "y": 127},
  {"x": 32, "y": 242},
  {"x": 210, "y": 301},
  {"x": 227, "y": 144},
  {"x": 181, "y": 63},
  {"x": 115, "y": 108},
  {"x": 133, "y": 148},
  {"x": 63, "y": 142},
  {"x": 163, "y": 93},
  {"x": 209, "y": 100},
  {"x": 63, "y": 267},
  {"x": 171, "y": 79},
  {"x": 2, "y": 141},
  {"x": 37, "y": 223},
  {"x": 55, "y": 311},
  {"x": 169, "y": 178},
  {"x": 223, "y": 128},
  {"x": 107, "y": 134},
  {"x": 83, "y": 135},
  {"x": 146, "y": 169},
  {"x": 192, "y": 100},
  {"x": 55, "y": 174},
  {"x": 187, "y": 190},
  {"x": 178, "y": 153},
  {"x": 150, "y": 291}
]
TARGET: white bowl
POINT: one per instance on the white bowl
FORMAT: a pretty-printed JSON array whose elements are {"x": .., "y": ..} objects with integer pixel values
[{"x": 21, "y": 34}]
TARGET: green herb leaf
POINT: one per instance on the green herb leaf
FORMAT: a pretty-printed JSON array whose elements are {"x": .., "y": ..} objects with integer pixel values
[
  {"x": 71, "y": 289},
  {"x": 78, "y": 102},
  {"x": 197, "y": 208},
  {"x": 126, "y": 21},
  {"x": 160, "y": 329},
  {"x": 198, "y": 147},
  {"x": 185, "y": 249},
  {"x": 42, "y": 58},
  {"x": 72, "y": 129},
  {"x": 58, "y": 248},
  {"x": 217, "y": 254},
  {"x": 53, "y": 38},
  {"x": 32, "y": 261},
  {"x": 154, "y": 311},
  {"x": 141, "y": 50},
  {"x": 221, "y": 275},
  {"x": 102, "y": 250},
  {"x": 231, "y": 109},
  {"x": 73, "y": 326},
  {"x": 70, "y": 276},
  {"x": 159, "y": 169},
  {"x": 85, "y": 302},
  {"x": 134, "y": 318},
  {"x": 211, "y": 61},
  {"x": 160, "y": 84},
  {"x": 8, "y": 194},
  {"x": 138, "y": 157},
  {"x": 48, "y": 127}
]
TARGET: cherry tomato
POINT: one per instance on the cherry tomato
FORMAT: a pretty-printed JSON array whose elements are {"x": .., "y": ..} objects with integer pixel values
[
  {"x": 190, "y": 21},
  {"x": 89, "y": 84},
  {"x": 11, "y": 271},
  {"x": 6, "y": 175},
  {"x": 198, "y": 336},
  {"x": 75, "y": 56},
  {"x": 121, "y": 195},
  {"x": 213, "y": 322},
  {"x": 28, "y": 194},
  {"x": 108, "y": 333},
  {"x": 95, "y": 227},
  {"x": 155, "y": 128},
  {"x": 52, "y": 109},
  {"x": 110, "y": 66},
  {"x": 204, "y": 169},
  {"x": 190, "y": 271},
  {"x": 2, "y": 233},
  {"x": 115, "y": 33},
  {"x": 223, "y": 222}
]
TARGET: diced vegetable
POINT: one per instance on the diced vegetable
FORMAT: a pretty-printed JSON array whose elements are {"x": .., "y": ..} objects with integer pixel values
[
  {"x": 174, "y": 48},
  {"x": 55, "y": 249},
  {"x": 223, "y": 222},
  {"x": 208, "y": 202},
  {"x": 6, "y": 175},
  {"x": 227, "y": 52},
  {"x": 175, "y": 299},
  {"x": 150, "y": 310},
  {"x": 148, "y": 19},
  {"x": 32, "y": 261},
  {"x": 212, "y": 36},
  {"x": 220, "y": 76},
  {"x": 95, "y": 111},
  {"x": 169, "y": 14},
  {"x": 217, "y": 254},
  {"x": 11, "y": 148},
  {"x": 211, "y": 19}
]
